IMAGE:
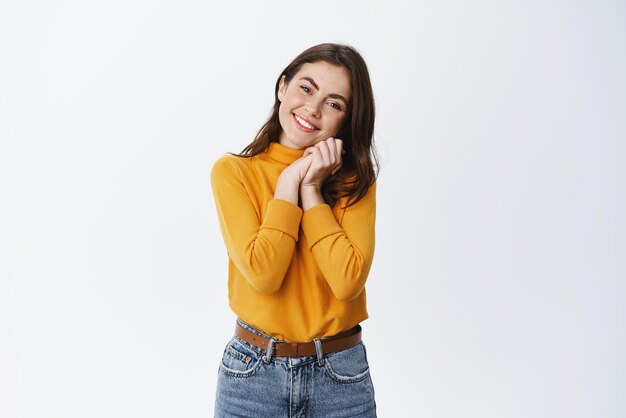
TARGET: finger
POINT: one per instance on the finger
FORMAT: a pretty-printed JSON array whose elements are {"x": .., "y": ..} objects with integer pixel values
[
  {"x": 333, "y": 143},
  {"x": 339, "y": 164},
  {"x": 338, "y": 168},
  {"x": 339, "y": 147},
  {"x": 330, "y": 142},
  {"x": 316, "y": 154},
  {"x": 326, "y": 153}
]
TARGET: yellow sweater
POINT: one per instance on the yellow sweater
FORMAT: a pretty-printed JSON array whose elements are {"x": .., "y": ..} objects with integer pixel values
[{"x": 293, "y": 275}]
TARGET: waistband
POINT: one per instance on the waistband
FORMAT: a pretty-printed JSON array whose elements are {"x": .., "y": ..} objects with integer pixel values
[{"x": 341, "y": 341}]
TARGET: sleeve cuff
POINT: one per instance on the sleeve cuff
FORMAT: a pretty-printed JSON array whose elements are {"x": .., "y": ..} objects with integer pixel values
[
  {"x": 318, "y": 223},
  {"x": 283, "y": 216}
]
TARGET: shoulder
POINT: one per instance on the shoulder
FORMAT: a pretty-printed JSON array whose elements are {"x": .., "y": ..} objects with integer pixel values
[
  {"x": 228, "y": 164},
  {"x": 227, "y": 171}
]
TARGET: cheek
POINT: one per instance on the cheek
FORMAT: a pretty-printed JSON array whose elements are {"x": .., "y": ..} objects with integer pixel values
[
  {"x": 282, "y": 115},
  {"x": 338, "y": 123},
  {"x": 284, "y": 110}
]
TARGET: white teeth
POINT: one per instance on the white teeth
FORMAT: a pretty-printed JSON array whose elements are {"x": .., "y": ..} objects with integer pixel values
[{"x": 304, "y": 123}]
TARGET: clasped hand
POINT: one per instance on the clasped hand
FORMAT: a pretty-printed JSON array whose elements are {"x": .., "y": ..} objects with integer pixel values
[{"x": 317, "y": 163}]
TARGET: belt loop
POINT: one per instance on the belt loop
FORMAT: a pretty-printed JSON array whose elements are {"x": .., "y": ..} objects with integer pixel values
[
  {"x": 270, "y": 350},
  {"x": 318, "y": 350}
]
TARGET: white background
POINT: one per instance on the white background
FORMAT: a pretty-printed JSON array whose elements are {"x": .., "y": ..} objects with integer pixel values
[{"x": 499, "y": 282}]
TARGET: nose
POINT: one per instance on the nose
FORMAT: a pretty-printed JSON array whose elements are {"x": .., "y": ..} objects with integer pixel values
[{"x": 314, "y": 107}]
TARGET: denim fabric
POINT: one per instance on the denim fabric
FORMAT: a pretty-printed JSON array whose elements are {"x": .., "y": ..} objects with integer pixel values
[{"x": 253, "y": 382}]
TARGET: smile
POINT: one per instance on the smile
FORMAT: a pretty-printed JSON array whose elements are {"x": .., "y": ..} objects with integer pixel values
[{"x": 304, "y": 125}]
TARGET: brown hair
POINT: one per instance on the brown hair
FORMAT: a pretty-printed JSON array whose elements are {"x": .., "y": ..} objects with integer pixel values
[{"x": 360, "y": 164}]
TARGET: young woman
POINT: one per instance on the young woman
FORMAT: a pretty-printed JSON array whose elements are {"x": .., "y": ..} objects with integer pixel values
[{"x": 297, "y": 211}]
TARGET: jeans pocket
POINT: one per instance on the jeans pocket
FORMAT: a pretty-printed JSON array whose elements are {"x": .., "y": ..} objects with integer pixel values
[
  {"x": 239, "y": 359},
  {"x": 349, "y": 365}
]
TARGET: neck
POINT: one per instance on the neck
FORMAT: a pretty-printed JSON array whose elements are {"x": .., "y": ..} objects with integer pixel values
[{"x": 283, "y": 153}]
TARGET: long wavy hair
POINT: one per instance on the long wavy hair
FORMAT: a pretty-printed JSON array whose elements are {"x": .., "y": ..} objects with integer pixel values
[{"x": 360, "y": 163}]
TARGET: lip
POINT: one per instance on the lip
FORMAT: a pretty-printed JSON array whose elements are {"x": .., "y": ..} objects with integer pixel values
[{"x": 304, "y": 128}]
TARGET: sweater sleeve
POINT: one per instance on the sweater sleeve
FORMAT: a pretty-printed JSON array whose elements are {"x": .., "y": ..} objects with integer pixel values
[
  {"x": 261, "y": 249},
  {"x": 343, "y": 253}
]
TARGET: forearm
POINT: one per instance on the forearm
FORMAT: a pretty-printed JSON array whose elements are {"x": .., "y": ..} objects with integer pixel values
[
  {"x": 343, "y": 252},
  {"x": 260, "y": 248},
  {"x": 344, "y": 266}
]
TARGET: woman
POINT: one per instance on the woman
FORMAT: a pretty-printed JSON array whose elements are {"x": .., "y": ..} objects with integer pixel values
[{"x": 297, "y": 211}]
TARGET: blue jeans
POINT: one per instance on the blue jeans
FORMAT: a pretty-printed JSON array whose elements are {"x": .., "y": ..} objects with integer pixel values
[{"x": 253, "y": 382}]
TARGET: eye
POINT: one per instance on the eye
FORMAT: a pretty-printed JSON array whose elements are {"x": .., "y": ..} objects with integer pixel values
[
  {"x": 335, "y": 105},
  {"x": 305, "y": 89}
]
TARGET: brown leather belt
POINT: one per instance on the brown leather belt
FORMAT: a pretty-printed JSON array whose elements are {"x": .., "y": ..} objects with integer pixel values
[{"x": 337, "y": 342}]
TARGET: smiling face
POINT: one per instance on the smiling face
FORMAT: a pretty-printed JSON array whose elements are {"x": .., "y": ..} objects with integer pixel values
[{"x": 314, "y": 104}]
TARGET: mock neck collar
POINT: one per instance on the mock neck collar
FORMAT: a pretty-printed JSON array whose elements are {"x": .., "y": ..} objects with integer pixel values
[{"x": 283, "y": 154}]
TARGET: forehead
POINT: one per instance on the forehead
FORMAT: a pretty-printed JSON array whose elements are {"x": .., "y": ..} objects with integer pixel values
[{"x": 330, "y": 78}]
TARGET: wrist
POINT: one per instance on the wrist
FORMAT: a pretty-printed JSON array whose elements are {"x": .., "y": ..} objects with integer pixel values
[
  {"x": 310, "y": 188},
  {"x": 287, "y": 189},
  {"x": 310, "y": 196},
  {"x": 288, "y": 176}
]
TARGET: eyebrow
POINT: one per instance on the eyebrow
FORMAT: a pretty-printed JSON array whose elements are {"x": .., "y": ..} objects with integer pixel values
[{"x": 333, "y": 95}]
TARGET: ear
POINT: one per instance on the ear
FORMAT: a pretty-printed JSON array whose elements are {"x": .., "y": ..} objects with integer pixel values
[{"x": 282, "y": 87}]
